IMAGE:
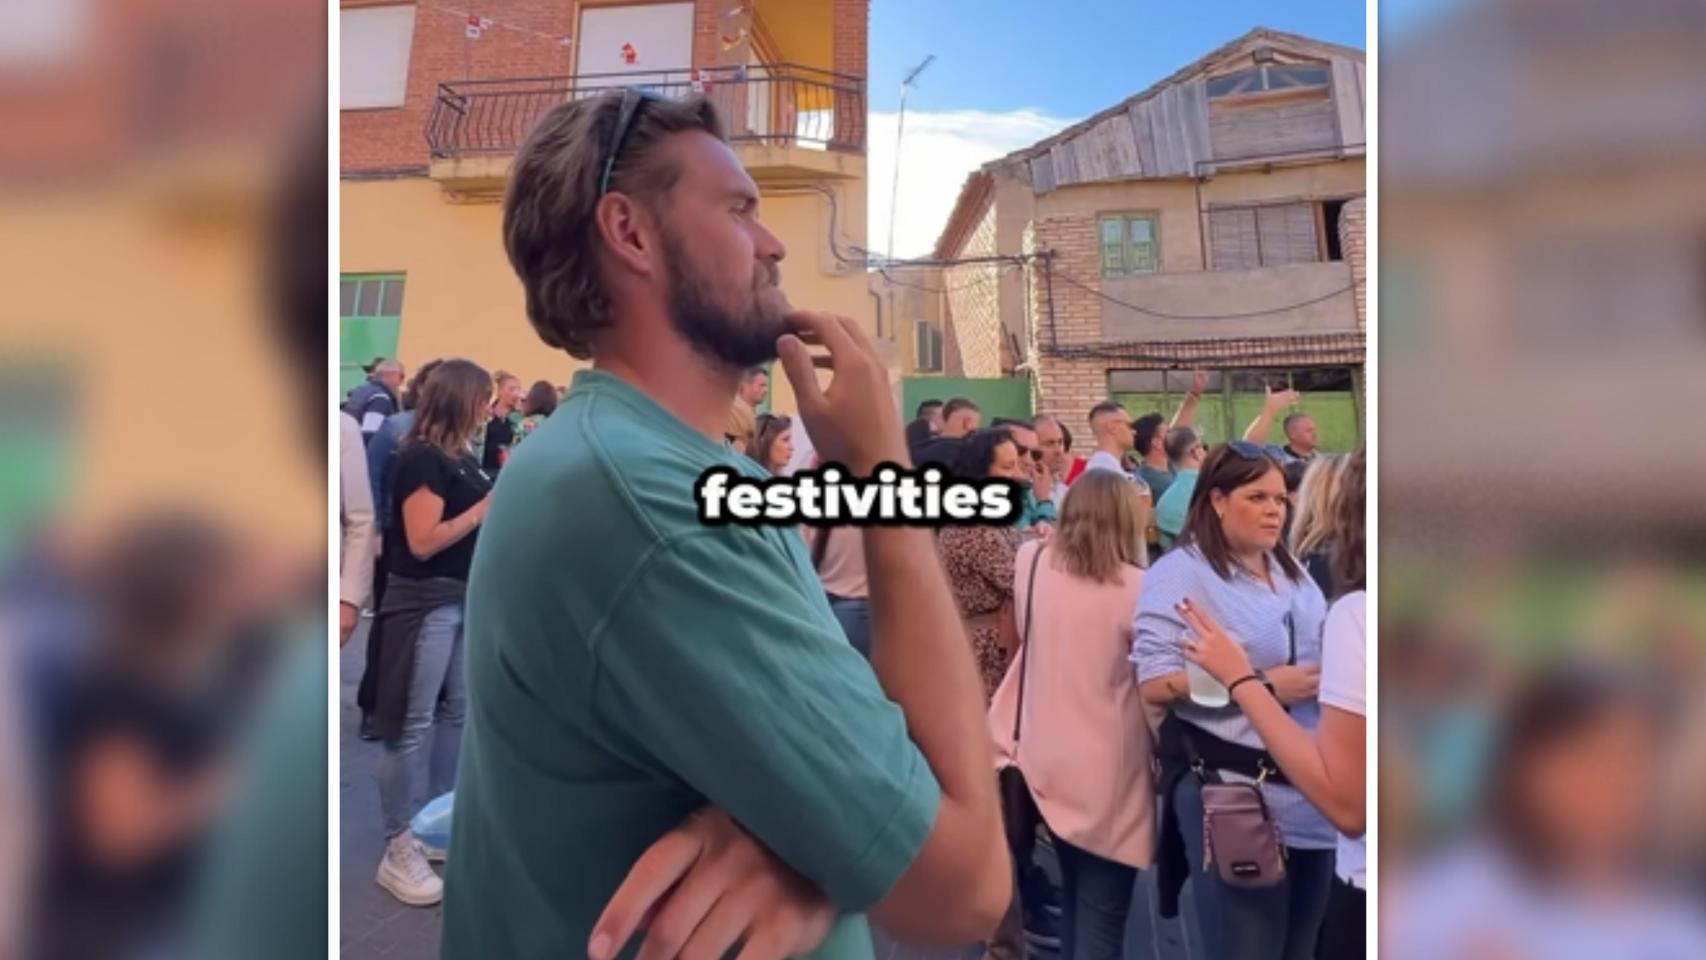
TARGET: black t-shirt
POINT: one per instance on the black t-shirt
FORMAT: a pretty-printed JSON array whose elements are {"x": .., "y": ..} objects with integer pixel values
[
  {"x": 942, "y": 450},
  {"x": 459, "y": 482},
  {"x": 500, "y": 436}
]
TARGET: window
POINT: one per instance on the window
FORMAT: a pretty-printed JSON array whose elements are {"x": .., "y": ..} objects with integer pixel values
[
  {"x": 370, "y": 313},
  {"x": 1332, "y": 211},
  {"x": 1272, "y": 78},
  {"x": 373, "y": 56},
  {"x": 1273, "y": 235},
  {"x": 928, "y": 344},
  {"x": 1130, "y": 246}
]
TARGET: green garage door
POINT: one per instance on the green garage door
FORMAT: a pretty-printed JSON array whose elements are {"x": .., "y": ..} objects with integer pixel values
[
  {"x": 1331, "y": 396},
  {"x": 370, "y": 318},
  {"x": 995, "y": 396}
]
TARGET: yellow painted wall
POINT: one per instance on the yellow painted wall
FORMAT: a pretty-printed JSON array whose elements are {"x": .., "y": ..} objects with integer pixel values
[
  {"x": 180, "y": 394},
  {"x": 914, "y": 296},
  {"x": 462, "y": 299},
  {"x": 811, "y": 275},
  {"x": 803, "y": 30}
]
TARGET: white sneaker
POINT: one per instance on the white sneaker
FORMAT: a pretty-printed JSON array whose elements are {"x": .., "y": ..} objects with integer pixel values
[
  {"x": 432, "y": 853},
  {"x": 404, "y": 872}
]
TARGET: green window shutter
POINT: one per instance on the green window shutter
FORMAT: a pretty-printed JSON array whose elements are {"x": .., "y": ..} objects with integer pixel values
[
  {"x": 370, "y": 323},
  {"x": 1143, "y": 253},
  {"x": 1113, "y": 247}
]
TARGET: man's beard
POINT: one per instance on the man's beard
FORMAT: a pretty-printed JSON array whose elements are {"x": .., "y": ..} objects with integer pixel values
[{"x": 733, "y": 337}]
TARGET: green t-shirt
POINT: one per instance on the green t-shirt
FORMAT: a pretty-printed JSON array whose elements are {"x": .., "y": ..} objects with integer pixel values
[
  {"x": 262, "y": 890},
  {"x": 626, "y": 665},
  {"x": 1174, "y": 505}
]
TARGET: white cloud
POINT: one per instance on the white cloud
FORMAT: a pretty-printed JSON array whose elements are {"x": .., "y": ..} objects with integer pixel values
[{"x": 941, "y": 150}]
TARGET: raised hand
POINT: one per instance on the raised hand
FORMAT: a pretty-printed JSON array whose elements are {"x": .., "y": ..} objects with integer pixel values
[
  {"x": 1199, "y": 382},
  {"x": 1276, "y": 402}
]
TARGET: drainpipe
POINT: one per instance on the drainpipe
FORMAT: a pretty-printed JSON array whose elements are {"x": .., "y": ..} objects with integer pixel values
[{"x": 1202, "y": 222}]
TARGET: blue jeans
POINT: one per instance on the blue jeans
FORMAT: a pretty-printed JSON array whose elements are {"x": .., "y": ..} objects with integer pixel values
[
  {"x": 1097, "y": 898},
  {"x": 1279, "y": 923},
  {"x": 436, "y": 707},
  {"x": 854, "y": 614}
]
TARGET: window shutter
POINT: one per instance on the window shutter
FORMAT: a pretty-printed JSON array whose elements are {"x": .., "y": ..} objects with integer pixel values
[
  {"x": 1113, "y": 247},
  {"x": 1142, "y": 253},
  {"x": 1288, "y": 234},
  {"x": 1232, "y": 238}
]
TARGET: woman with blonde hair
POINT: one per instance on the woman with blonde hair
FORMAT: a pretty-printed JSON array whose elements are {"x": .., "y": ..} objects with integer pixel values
[
  {"x": 1069, "y": 715},
  {"x": 1315, "y": 526}
]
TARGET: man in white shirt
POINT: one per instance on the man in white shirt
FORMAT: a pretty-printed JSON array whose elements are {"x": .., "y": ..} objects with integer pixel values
[{"x": 1110, "y": 427}]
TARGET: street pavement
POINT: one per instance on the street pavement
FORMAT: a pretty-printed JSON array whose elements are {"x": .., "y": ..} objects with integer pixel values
[{"x": 373, "y": 924}]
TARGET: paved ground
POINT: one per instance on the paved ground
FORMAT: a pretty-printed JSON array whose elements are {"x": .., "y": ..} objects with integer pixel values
[{"x": 375, "y": 925}]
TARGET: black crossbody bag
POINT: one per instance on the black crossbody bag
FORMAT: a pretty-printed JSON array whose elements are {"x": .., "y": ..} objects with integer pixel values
[{"x": 1019, "y": 811}]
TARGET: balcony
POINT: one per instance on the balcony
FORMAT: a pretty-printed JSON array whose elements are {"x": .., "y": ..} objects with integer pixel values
[
  {"x": 1293, "y": 300},
  {"x": 788, "y": 122}
]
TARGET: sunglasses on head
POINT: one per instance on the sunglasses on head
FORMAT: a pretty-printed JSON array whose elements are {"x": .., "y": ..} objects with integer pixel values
[{"x": 633, "y": 98}]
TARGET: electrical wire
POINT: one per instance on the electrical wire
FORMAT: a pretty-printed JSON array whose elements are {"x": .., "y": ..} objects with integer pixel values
[
  {"x": 985, "y": 280},
  {"x": 465, "y": 15},
  {"x": 1204, "y": 316},
  {"x": 882, "y": 265}
]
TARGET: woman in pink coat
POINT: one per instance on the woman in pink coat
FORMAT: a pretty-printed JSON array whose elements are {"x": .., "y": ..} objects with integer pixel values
[{"x": 1084, "y": 741}]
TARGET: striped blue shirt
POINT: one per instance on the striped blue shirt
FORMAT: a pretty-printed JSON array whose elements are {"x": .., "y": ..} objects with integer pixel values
[{"x": 1257, "y": 616}]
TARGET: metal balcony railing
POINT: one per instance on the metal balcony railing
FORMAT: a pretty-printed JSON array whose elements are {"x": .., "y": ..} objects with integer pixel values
[{"x": 781, "y": 104}]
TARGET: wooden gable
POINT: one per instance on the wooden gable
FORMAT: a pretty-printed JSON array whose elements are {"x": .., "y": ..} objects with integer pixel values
[{"x": 1177, "y": 129}]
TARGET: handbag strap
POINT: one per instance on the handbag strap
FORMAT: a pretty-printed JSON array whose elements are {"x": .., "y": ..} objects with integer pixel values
[{"x": 1025, "y": 637}]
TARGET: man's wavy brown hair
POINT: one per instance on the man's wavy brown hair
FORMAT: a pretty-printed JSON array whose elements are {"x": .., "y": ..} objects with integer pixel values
[{"x": 550, "y": 231}]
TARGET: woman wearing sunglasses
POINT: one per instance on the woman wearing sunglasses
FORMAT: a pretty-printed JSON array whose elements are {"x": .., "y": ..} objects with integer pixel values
[{"x": 1230, "y": 561}]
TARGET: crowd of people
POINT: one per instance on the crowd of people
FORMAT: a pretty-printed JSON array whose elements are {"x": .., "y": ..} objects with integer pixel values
[
  {"x": 417, "y": 466},
  {"x": 761, "y": 735},
  {"x": 1259, "y": 537},
  {"x": 1293, "y": 543}
]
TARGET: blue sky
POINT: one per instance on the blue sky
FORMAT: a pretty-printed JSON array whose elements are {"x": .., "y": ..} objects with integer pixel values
[
  {"x": 1011, "y": 72},
  {"x": 1068, "y": 57}
]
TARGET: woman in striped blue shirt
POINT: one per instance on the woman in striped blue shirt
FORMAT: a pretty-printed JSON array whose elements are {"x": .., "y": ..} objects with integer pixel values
[{"x": 1230, "y": 561}]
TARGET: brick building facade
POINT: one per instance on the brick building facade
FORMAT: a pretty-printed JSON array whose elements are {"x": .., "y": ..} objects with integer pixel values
[
  {"x": 1213, "y": 221},
  {"x": 443, "y": 105}
]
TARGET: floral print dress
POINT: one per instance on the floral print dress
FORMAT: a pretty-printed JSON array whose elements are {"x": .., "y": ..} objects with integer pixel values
[{"x": 979, "y": 564}]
